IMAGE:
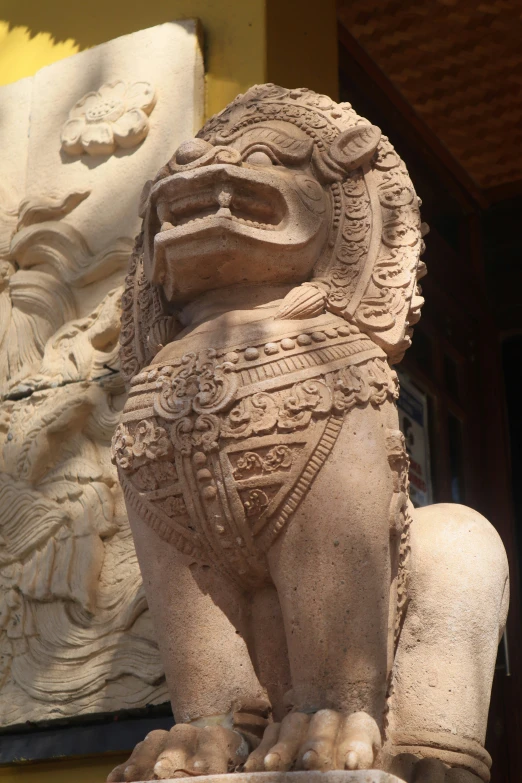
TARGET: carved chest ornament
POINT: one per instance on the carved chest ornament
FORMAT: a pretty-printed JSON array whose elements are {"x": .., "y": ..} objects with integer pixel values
[{"x": 217, "y": 448}]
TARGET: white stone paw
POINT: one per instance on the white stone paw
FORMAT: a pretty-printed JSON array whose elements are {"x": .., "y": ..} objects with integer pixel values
[
  {"x": 182, "y": 752},
  {"x": 323, "y": 741}
]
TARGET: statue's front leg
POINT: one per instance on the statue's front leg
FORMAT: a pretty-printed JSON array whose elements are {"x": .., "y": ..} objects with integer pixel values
[
  {"x": 333, "y": 569},
  {"x": 200, "y": 620}
]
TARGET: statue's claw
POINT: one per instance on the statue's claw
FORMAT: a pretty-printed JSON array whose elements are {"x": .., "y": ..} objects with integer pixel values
[
  {"x": 358, "y": 743},
  {"x": 319, "y": 749},
  {"x": 140, "y": 765},
  {"x": 282, "y": 755},
  {"x": 182, "y": 752},
  {"x": 255, "y": 762},
  {"x": 326, "y": 740}
]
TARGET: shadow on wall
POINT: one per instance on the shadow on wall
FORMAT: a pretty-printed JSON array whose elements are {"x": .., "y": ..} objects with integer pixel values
[
  {"x": 64, "y": 23},
  {"x": 37, "y": 34}
]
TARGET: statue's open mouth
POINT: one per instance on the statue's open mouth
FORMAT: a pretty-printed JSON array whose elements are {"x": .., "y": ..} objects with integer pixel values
[
  {"x": 226, "y": 193},
  {"x": 224, "y": 224}
]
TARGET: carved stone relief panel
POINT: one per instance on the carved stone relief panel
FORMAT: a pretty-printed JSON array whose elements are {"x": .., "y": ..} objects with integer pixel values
[
  {"x": 113, "y": 116},
  {"x": 75, "y": 632}
]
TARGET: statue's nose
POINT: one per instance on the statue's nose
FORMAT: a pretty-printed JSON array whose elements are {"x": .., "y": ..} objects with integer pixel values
[{"x": 198, "y": 152}]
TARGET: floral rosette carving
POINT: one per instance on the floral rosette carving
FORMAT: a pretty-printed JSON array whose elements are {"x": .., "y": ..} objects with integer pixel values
[
  {"x": 191, "y": 398},
  {"x": 373, "y": 382},
  {"x": 255, "y": 415},
  {"x": 114, "y": 116},
  {"x": 202, "y": 386},
  {"x": 305, "y": 399},
  {"x": 147, "y": 443},
  {"x": 279, "y": 457}
]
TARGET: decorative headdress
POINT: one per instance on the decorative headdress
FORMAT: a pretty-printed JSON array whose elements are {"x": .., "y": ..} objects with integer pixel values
[{"x": 369, "y": 272}]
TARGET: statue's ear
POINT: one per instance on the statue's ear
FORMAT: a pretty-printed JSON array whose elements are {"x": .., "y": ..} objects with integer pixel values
[{"x": 355, "y": 146}]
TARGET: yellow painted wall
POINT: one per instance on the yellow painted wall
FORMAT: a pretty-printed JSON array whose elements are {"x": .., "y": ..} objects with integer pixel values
[
  {"x": 90, "y": 770},
  {"x": 289, "y": 42},
  {"x": 38, "y": 32}
]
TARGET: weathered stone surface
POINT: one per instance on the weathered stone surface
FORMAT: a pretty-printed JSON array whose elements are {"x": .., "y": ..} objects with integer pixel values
[
  {"x": 76, "y": 635},
  {"x": 15, "y": 105},
  {"x": 307, "y": 615},
  {"x": 360, "y": 776}
]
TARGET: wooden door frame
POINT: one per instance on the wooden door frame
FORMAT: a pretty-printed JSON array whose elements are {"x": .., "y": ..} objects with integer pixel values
[{"x": 456, "y": 283}]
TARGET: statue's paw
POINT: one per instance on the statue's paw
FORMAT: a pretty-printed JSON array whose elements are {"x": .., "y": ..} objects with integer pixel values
[
  {"x": 184, "y": 751},
  {"x": 323, "y": 741},
  {"x": 411, "y": 769},
  {"x": 140, "y": 765}
]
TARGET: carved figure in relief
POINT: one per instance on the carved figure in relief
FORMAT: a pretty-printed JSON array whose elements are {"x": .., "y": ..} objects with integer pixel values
[
  {"x": 299, "y": 599},
  {"x": 75, "y": 633}
]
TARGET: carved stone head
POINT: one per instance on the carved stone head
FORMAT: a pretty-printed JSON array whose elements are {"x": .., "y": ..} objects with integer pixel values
[
  {"x": 284, "y": 186},
  {"x": 250, "y": 211}
]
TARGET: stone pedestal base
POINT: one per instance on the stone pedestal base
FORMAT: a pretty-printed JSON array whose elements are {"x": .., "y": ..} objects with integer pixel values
[{"x": 337, "y": 776}]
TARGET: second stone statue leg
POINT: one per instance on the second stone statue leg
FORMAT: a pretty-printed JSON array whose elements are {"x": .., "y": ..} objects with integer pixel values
[
  {"x": 332, "y": 567},
  {"x": 445, "y": 660}
]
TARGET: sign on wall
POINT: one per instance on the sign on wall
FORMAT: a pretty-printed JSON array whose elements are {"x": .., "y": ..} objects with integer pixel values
[{"x": 413, "y": 421}]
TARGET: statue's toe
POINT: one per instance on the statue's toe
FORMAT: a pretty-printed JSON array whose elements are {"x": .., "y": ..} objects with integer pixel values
[
  {"x": 282, "y": 756},
  {"x": 219, "y": 750},
  {"x": 324, "y": 741},
  {"x": 358, "y": 743},
  {"x": 140, "y": 765},
  {"x": 184, "y": 751},
  {"x": 175, "y": 759},
  {"x": 256, "y": 760},
  {"x": 319, "y": 750}
]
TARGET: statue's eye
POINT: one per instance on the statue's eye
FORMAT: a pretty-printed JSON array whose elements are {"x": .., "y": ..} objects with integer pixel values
[{"x": 259, "y": 158}]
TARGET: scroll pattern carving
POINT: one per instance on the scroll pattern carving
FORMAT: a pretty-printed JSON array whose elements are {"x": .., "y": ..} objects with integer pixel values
[
  {"x": 145, "y": 323},
  {"x": 278, "y": 458},
  {"x": 400, "y": 518},
  {"x": 271, "y": 443},
  {"x": 202, "y": 386},
  {"x": 370, "y": 275}
]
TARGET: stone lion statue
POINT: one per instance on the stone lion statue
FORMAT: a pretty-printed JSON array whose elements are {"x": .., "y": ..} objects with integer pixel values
[{"x": 307, "y": 616}]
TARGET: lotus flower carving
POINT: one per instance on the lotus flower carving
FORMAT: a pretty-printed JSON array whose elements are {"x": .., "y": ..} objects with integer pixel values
[{"x": 114, "y": 116}]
